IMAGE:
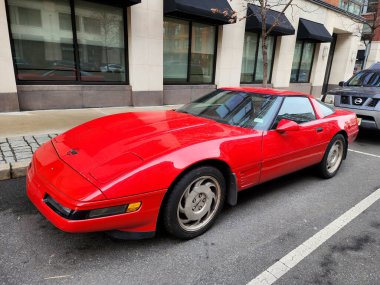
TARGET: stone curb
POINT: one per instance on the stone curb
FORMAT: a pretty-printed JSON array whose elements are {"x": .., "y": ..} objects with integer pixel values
[
  {"x": 18, "y": 169},
  {"x": 16, "y": 154},
  {"x": 5, "y": 171},
  {"x": 13, "y": 170}
]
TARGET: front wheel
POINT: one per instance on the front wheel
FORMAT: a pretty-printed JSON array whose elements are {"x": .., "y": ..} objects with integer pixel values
[
  {"x": 333, "y": 157},
  {"x": 194, "y": 202}
]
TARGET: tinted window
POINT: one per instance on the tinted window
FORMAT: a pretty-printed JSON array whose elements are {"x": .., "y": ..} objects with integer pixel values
[
  {"x": 45, "y": 44},
  {"x": 365, "y": 78},
  {"x": 297, "y": 109},
  {"x": 188, "y": 43},
  {"x": 252, "y": 64},
  {"x": 326, "y": 109},
  {"x": 243, "y": 109},
  {"x": 302, "y": 61}
]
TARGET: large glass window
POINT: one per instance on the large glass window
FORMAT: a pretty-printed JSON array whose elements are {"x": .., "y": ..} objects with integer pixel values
[
  {"x": 189, "y": 52},
  {"x": 252, "y": 65},
  {"x": 302, "y": 61},
  {"x": 352, "y": 6},
  {"x": 52, "y": 44}
]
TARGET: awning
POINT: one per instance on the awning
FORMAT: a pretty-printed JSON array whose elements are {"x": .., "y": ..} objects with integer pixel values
[
  {"x": 312, "y": 31},
  {"x": 118, "y": 3},
  {"x": 254, "y": 21},
  {"x": 199, "y": 10}
]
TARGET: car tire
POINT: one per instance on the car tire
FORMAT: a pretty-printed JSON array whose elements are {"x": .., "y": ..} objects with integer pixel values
[
  {"x": 194, "y": 202},
  {"x": 333, "y": 157}
]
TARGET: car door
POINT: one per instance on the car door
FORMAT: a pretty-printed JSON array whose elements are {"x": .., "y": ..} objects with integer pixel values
[{"x": 285, "y": 152}]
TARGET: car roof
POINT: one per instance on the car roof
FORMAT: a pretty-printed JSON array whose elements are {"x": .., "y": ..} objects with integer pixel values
[
  {"x": 375, "y": 66},
  {"x": 266, "y": 91}
]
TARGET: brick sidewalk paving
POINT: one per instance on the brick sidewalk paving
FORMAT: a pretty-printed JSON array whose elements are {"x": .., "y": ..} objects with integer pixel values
[{"x": 16, "y": 153}]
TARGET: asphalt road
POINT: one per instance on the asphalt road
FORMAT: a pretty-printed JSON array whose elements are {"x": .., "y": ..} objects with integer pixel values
[{"x": 269, "y": 221}]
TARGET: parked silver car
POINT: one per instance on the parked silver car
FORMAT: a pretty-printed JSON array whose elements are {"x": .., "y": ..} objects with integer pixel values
[{"x": 361, "y": 94}]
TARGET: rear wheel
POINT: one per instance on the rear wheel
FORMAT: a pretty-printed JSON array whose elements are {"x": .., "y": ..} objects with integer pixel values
[
  {"x": 194, "y": 202},
  {"x": 333, "y": 157}
]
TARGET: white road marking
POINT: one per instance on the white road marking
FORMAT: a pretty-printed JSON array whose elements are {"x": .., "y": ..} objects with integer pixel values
[
  {"x": 57, "y": 277},
  {"x": 274, "y": 272},
  {"x": 365, "y": 153}
]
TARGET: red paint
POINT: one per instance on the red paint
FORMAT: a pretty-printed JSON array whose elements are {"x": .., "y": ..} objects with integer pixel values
[{"x": 131, "y": 157}]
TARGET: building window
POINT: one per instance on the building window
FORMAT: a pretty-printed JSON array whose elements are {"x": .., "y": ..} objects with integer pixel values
[
  {"x": 252, "y": 65},
  {"x": 189, "y": 52},
  {"x": 372, "y": 6},
  {"x": 302, "y": 61},
  {"x": 50, "y": 44},
  {"x": 352, "y": 6}
]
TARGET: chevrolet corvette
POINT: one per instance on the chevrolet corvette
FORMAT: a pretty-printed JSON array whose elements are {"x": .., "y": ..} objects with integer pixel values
[{"x": 123, "y": 173}]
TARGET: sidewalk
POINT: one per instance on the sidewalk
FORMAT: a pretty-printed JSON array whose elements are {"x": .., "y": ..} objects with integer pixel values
[{"x": 21, "y": 133}]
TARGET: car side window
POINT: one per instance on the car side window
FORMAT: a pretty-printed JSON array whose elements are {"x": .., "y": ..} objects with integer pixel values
[
  {"x": 297, "y": 109},
  {"x": 326, "y": 110}
]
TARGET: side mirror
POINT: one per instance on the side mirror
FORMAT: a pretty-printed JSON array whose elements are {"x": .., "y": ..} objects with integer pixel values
[
  {"x": 287, "y": 126},
  {"x": 341, "y": 83}
]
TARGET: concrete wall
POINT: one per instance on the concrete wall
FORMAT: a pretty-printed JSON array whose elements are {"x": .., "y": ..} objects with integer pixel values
[
  {"x": 230, "y": 49},
  {"x": 374, "y": 54},
  {"x": 145, "y": 46},
  {"x": 8, "y": 90},
  {"x": 37, "y": 97}
]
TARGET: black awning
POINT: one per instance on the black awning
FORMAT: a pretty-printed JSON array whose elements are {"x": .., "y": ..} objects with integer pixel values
[
  {"x": 312, "y": 31},
  {"x": 118, "y": 3},
  {"x": 254, "y": 21},
  {"x": 199, "y": 10}
]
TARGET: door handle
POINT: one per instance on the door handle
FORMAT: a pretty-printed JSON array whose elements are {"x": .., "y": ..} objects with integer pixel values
[{"x": 319, "y": 130}]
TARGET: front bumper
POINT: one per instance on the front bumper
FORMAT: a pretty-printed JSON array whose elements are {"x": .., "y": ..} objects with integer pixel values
[{"x": 142, "y": 221}]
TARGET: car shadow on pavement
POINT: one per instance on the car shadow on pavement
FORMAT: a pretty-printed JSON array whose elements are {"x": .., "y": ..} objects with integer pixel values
[{"x": 368, "y": 136}]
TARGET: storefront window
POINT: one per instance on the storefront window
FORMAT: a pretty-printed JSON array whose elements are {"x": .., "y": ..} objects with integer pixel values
[
  {"x": 101, "y": 42},
  {"x": 185, "y": 62},
  {"x": 44, "y": 45},
  {"x": 252, "y": 65},
  {"x": 302, "y": 61}
]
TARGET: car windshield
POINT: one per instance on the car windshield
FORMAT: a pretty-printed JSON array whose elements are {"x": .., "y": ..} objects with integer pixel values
[
  {"x": 236, "y": 108},
  {"x": 365, "y": 78}
]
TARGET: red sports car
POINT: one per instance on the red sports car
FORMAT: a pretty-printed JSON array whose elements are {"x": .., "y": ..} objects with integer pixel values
[{"x": 122, "y": 172}]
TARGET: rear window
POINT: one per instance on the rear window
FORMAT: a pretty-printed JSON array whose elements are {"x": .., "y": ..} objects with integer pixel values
[{"x": 326, "y": 109}]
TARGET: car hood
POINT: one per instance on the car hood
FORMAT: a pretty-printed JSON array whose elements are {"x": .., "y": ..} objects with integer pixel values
[
  {"x": 369, "y": 92},
  {"x": 105, "y": 148}
]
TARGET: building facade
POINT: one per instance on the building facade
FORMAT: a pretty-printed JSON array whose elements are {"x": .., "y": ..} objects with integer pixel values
[
  {"x": 76, "y": 54},
  {"x": 369, "y": 51}
]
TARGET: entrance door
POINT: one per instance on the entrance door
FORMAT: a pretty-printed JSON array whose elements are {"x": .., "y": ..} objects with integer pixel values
[{"x": 329, "y": 63}]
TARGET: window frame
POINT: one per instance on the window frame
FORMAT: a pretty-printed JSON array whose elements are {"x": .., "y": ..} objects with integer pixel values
[
  {"x": 76, "y": 55},
  {"x": 275, "y": 123},
  {"x": 190, "y": 22},
  {"x": 256, "y": 58},
  {"x": 345, "y": 5},
  {"x": 299, "y": 64}
]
